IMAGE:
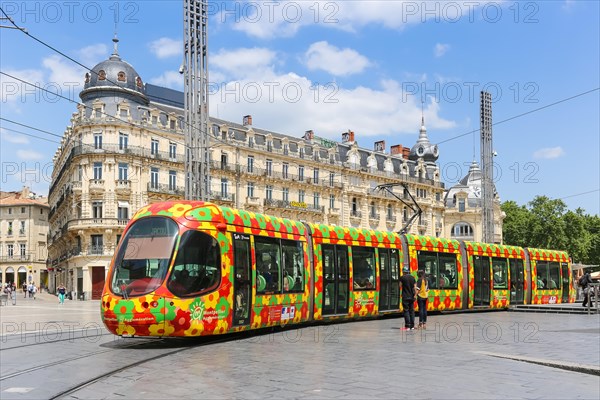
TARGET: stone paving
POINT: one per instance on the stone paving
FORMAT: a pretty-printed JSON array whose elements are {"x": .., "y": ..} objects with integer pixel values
[{"x": 483, "y": 355}]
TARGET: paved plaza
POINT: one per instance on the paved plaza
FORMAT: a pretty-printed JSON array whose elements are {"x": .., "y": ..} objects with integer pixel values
[{"x": 472, "y": 355}]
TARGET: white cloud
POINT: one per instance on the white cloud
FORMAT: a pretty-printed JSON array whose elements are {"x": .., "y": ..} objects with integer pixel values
[
  {"x": 166, "y": 47},
  {"x": 13, "y": 137},
  {"x": 243, "y": 62},
  {"x": 286, "y": 100},
  {"x": 440, "y": 49},
  {"x": 549, "y": 153},
  {"x": 16, "y": 93},
  {"x": 286, "y": 18},
  {"x": 93, "y": 54},
  {"x": 29, "y": 155},
  {"x": 339, "y": 62},
  {"x": 170, "y": 79}
]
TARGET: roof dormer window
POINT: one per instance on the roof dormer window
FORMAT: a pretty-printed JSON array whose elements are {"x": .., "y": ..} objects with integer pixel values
[
  {"x": 101, "y": 75},
  {"x": 121, "y": 76}
]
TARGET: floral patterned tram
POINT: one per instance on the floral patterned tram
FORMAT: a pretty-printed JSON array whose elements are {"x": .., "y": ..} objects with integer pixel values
[{"x": 192, "y": 268}]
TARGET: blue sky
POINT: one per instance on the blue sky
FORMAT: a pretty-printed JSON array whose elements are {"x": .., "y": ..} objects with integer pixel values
[{"x": 331, "y": 66}]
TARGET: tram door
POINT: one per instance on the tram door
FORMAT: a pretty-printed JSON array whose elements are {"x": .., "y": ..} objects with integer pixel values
[
  {"x": 517, "y": 281},
  {"x": 335, "y": 279},
  {"x": 481, "y": 267},
  {"x": 564, "y": 267},
  {"x": 389, "y": 298},
  {"x": 242, "y": 288}
]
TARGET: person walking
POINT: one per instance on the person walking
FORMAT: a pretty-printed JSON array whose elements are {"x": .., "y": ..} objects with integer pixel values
[
  {"x": 61, "y": 294},
  {"x": 24, "y": 290},
  {"x": 409, "y": 286},
  {"x": 584, "y": 284},
  {"x": 422, "y": 296}
]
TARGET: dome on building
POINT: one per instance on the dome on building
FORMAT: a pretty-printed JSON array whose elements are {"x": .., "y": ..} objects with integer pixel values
[
  {"x": 113, "y": 73},
  {"x": 469, "y": 186},
  {"x": 423, "y": 148}
]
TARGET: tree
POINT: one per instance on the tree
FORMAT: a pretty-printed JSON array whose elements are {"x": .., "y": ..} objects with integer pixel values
[
  {"x": 547, "y": 223},
  {"x": 516, "y": 225},
  {"x": 577, "y": 237}
]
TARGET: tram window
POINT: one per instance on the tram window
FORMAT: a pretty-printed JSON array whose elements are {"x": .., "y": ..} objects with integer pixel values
[
  {"x": 268, "y": 267},
  {"x": 197, "y": 268},
  {"x": 542, "y": 275},
  {"x": 448, "y": 270},
  {"x": 499, "y": 266},
  {"x": 428, "y": 262},
  {"x": 553, "y": 275},
  {"x": 440, "y": 269},
  {"x": 363, "y": 261},
  {"x": 293, "y": 266}
]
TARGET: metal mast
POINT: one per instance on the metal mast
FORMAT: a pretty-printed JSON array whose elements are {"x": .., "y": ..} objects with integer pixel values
[
  {"x": 195, "y": 71},
  {"x": 487, "y": 168}
]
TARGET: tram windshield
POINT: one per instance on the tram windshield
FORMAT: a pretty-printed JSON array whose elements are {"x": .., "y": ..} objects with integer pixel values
[{"x": 143, "y": 257}]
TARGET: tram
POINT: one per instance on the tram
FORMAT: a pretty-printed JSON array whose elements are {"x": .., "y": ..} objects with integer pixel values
[{"x": 191, "y": 268}]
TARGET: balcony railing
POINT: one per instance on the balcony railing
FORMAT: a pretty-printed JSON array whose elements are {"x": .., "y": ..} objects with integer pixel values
[
  {"x": 95, "y": 250},
  {"x": 293, "y": 205},
  {"x": 355, "y": 214},
  {"x": 15, "y": 258},
  {"x": 165, "y": 188}
]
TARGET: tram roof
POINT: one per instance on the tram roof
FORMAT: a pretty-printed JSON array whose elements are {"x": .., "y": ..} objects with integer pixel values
[{"x": 497, "y": 250}]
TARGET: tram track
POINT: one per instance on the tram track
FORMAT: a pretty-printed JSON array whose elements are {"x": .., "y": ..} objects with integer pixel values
[
  {"x": 100, "y": 377},
  {"x": 61, "y": 361}
]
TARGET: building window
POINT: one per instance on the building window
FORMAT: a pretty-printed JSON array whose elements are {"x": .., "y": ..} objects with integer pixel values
[
  {"x": 154, "y": 147},
  {"x": 97, "y": 246},
  {"x": 286, "y": 194},
  {"x": 316, "y": 175},
  {"x": 172, "y": 123},
  {"x": 123, "y": 212},
  {"x": 97, "y": 170},
  {"x": 123, "y": 112},
  {"x": 101, "y": 75},
  {"x": 354, "y": 205},
  {"x": 9, "y": 211},
  {"x": 269, "y": 192},
  {"x": 461, "y": 205},
  {"x": 390, "y": 213},
  {"x": 373, "y": 210},
  {"x": 172, "y": 150},
  {"x": 251, "y": 164},
  {"x": 97, "y": 140},
  {"x": 22, "y": 228},
  {"x": 286, "y": 149},
  {"x": 301, "y": 196},
  {"x": 251, "y": 142},
  {"x": 154, "y": 177},
  {"x": 269, "y": 167},
  {"x": 269, "y": 145},
  {"x": 79, "y": 173},
  {"x": 405, "y": 214},
  {"x": 123, "y": 140},
  {"x": 250, "y": 189},
  {"x": 331, "y": 201},
  {"x": 301, "y": 173},
  {"x": 363, "y": 260},
  {"x": 22, "y": 210},
  {"x": 317, "y": 198},
  {"x": 284, "y": 170},
  {"x": 224, "y": 187},
  {"x": 462, "y": 229},
  {"x": 441, "y": 268},
  {"x": 121, "y": 76},
  {"x": 301, "y": 152},
  {"x": 123, "y": 167},
  {"x": 10, "y": 227},
  {"x": 96, "y": 209},
  {"x": 154, "y": 120},
  {"x": 10, "y": 250},
  {"x": 98, "y": 112},
  {"x": 331, "y": 178},
  {"x": 172, "y": 180}
]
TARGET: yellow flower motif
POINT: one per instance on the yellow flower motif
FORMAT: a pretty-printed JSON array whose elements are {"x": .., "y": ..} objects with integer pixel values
[
  {"x": 125, "y": 330},
  {"x": 211, "y": 301},
  {"x": 158, "y": 330},
  {"x": 179, "y": 209}
]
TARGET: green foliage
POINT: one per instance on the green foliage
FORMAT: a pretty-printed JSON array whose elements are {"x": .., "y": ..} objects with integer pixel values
[{"x": 547, "y": 224}]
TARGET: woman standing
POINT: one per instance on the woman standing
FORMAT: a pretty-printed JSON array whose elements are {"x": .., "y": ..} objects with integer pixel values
[
  {"x": 422, "y": 295},
  {"x": 61, "y": 293}
]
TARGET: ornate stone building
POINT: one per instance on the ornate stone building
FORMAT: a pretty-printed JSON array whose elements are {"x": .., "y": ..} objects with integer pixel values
[
  {"x": 125, "y": 148},
  {"x": 23, "y": 238},
  {"x": 463, "y": 216}
]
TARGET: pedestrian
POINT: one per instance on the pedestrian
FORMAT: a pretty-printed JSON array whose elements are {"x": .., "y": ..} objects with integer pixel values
[
  {"x": 61, "y": 293},
  {"x": 584, "y": 284},
  {"x": 30, "y": 289},
  {"x": 33, "y": 290},
  {"x": 409, "y": 286},
  {"x": 24, "y": 289},
  {"x": 422, "y": 296}
]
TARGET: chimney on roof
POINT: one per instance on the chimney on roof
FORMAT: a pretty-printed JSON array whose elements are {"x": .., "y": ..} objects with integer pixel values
[
  {"x": 380, "y": 146},
  {"x": 396, "y": 149},
  {"x": 309, "y": 135},
  {"x": 405, "y": 152},
  {"x": 247, "y": 121},
  {"x": 25, "y": 192},
  {"x": 348, "y": 137}
]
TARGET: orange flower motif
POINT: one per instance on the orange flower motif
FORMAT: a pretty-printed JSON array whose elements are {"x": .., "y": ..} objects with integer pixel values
[{"x": 179, "y": 209}]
